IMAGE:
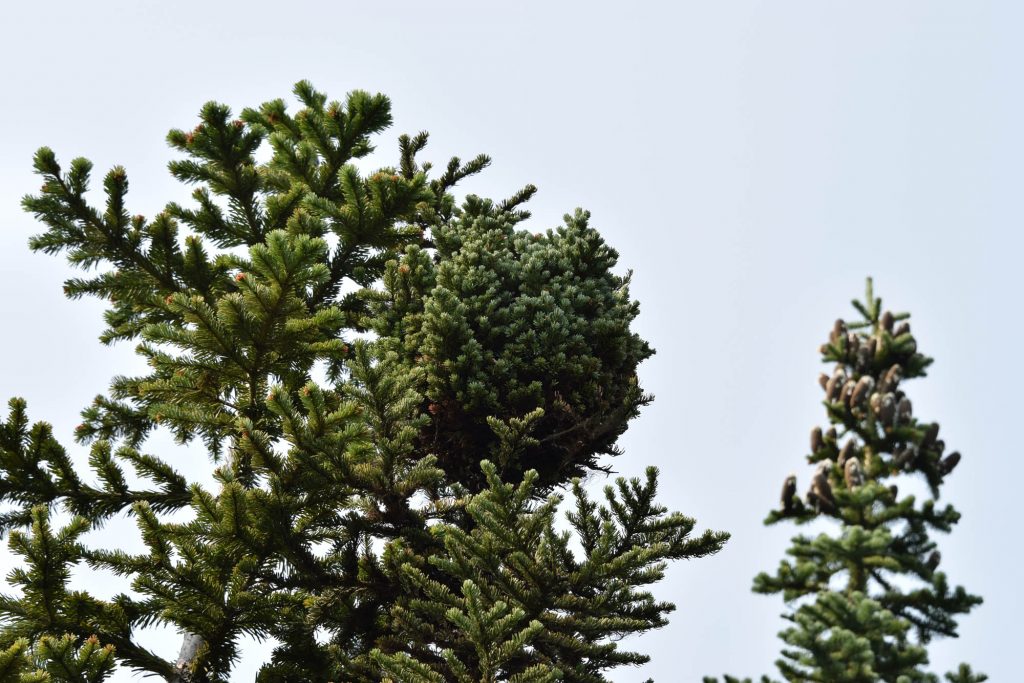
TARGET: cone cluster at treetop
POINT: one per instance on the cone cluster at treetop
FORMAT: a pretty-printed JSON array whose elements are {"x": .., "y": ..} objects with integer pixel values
[
  {"x": 397, "y": 391},
  {"x": 866, "y": 600}
]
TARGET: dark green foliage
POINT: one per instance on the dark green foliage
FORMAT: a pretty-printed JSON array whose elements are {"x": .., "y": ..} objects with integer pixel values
[
  {"x": 57, "y": 659},
  {"x": 65, "y": 659},
  {"x": 48, "y": 608},
  {"x": 353, "y": 349},
  {"x": 502, "y": 323},
  {"x": 965, "y": 675},
  {"x": 869, "y": 597},
  {"x": 513, "y": 561},
  {"x": 230, "y": 317}
]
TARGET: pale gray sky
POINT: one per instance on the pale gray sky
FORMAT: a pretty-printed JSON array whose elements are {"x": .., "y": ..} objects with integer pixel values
[{"x": 752, "y": 161}]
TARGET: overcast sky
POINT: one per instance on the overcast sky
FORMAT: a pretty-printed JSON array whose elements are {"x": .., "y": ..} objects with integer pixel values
[{"x": 752, "y": 162}]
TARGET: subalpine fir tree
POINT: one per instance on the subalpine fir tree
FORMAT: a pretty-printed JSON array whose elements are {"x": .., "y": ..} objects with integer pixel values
[
  {"x": 870, "y": 596},
  {"x": 391, "y": 387}
]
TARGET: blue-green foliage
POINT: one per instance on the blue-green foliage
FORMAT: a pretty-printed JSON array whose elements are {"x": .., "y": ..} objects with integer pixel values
[{"x": 503, "y": 322}]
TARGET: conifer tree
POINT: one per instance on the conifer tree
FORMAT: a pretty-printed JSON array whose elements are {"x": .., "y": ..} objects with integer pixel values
[
  {"x": 868, "y": 597},
  {"x": 392, "y": 388}
]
